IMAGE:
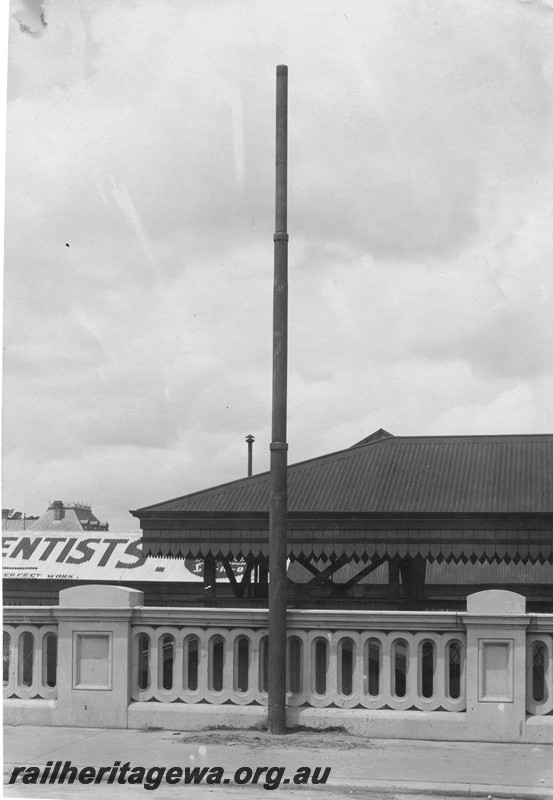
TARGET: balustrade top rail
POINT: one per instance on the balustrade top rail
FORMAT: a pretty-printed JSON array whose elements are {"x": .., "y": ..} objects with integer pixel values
[
  {"x": 258, "y": 618},
  {"x": 312, "y": 619},
  {"x": 251, "y": 618}
]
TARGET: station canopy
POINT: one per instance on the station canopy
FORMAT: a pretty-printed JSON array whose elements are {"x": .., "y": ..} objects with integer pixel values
[{"x": 453, "y": 498}]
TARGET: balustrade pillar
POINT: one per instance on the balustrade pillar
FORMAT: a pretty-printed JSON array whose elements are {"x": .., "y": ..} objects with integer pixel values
[
  {"x": 94, "y": 655},
  {"x": 496, "y": 626}
]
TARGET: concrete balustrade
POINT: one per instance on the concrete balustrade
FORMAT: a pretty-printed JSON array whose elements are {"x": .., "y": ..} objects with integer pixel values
[
  {"x": 103, "y": 659},
  {"x": 30, "y": 661},
  {"x": 193, "y": 665},
  {"x": 339, "y": 668}
]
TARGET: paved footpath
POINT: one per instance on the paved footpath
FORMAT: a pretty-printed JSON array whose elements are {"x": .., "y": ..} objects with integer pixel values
[{"x": 377, "y": 768}]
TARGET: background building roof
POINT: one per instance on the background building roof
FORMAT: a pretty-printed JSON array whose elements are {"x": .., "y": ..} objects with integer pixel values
[
  {"x": 388, "y": 474},
  {"x": 59, "y": 516}
]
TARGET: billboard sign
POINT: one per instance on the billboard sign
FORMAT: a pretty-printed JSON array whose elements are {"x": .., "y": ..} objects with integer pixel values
[{"x": 103, "y": 557}]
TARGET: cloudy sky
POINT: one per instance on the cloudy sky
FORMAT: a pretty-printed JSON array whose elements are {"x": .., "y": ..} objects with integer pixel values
[{"x": 139, "y": 222}]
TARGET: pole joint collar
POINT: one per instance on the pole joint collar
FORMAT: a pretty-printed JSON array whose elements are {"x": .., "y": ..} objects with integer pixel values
[
  {"x": 278, "y": 446},
  {"x": 280, "y": 236}
]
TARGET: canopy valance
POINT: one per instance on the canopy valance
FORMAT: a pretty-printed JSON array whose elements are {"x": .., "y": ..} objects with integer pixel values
[{"x": 457, "y": 540}]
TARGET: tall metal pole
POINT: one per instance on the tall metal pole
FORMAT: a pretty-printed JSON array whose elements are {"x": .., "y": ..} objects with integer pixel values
[{"x": 278, "y": 511}]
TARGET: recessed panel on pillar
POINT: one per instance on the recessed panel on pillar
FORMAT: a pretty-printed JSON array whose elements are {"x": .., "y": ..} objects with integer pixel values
[
  {"x": 496, "y": 671},
  {"x": 92, "y": 660}
]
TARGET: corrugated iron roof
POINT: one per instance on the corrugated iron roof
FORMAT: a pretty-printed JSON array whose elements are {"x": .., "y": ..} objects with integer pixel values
[
  {"x": 441, "y": 573},
  {"x": 482, "y": 574},
  {"x": 403, "y": 474}
]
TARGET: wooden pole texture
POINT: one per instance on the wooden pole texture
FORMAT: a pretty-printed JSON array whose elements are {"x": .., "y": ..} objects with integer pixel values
[{"x": 278, "y": 511}]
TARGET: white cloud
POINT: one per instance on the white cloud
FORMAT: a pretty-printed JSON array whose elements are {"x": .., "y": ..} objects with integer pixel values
[{"x": 140, "y": 217}]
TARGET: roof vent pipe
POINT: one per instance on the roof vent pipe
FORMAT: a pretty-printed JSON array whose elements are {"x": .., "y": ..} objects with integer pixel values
[{"x": 250, "y": 440}]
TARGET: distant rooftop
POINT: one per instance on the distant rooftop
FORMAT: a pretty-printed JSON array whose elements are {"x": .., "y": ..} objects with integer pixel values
[
  {"x": 16, "y": 520},
  {"x": 59, "y": 516}
]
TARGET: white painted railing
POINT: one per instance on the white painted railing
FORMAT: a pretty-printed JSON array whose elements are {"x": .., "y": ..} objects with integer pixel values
[
  {"x": 358, "y": 662},
  {"x": 421, "y": 669},
  {"x": 30, "y": 661},
  {"x": 344, "y": 659},
  {"x": 197, "y": 664},
  {"x": 374, "y": 669}
]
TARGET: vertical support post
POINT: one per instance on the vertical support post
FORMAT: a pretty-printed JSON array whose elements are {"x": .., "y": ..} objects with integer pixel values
[
  {"x": 210, "y": 579},
  {"x": 262, "y": 578},
  {"x": 278, "y": 510},
  {"x": 413, "y": 574},
  {"x": 393, "y": 581}
]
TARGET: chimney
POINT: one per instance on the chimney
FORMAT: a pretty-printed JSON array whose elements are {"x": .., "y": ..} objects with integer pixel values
[
  {"x": 250, "y": 440},
  {"x": 57, "y": 505}
]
